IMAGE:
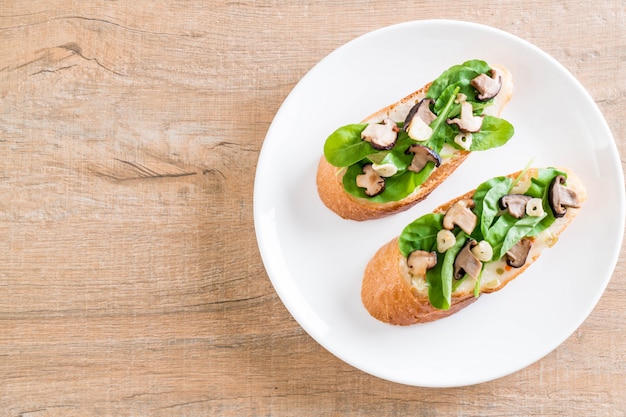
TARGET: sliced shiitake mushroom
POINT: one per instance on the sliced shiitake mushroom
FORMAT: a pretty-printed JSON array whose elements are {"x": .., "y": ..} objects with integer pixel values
[
  {"x": 422, "y": 155},
  {"x": 515, "y": 204},
  {"x": 420, "y": 261},
  {"x": 461, "y": 214},
  {"x": 516, "y": 256},
  {"x": 467, "y": 122},
  {"x": 382, "y": 135},
  {"x": 373, "y": 182},
  {"x": 417, "y": 122},
  {"x": 487, "y": 86},
  {"x": 466, "y": 262},
  {"x": 560, "y": 197}
]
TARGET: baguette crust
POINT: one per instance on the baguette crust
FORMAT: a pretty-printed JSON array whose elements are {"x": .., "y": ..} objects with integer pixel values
[
  {"x": 388, "y": 296},
  {"x": 332, "y": 193},
  {"x": 329, "y": 178}
]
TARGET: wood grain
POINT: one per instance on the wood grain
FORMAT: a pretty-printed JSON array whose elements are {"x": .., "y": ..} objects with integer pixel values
[{"x": 130, "y": 279}]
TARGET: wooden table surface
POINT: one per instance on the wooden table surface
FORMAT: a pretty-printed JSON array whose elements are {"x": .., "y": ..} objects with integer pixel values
[{"x": 130, "y": 278}]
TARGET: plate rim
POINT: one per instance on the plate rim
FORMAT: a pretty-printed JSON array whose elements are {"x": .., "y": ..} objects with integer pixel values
[{"x": 258, "y": 221}]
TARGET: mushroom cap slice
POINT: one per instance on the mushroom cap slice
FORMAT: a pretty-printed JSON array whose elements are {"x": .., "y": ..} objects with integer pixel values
[
  {"x": 373, "y": 183},
  {"x": 423, "y": 155},
  {"x": 422, "y": 111},
  {"x": 515, "y": 204},
  {"x": 382, "y": 135},
  {"x": 467, "y": 122},
  {"x": 461, "y": 214},
  {"x": 487, "y": 86},
  {"x": 466, "y": 262},
  {"x": 516, "y": 256},
  {"x": 420, "y": 261},
  {"x": 560, "y": 197}
]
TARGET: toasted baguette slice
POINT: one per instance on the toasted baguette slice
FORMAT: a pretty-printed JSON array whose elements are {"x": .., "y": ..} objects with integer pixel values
[
  {"x": 329, "y": 178},
  {"x": 390, "y": 295}
]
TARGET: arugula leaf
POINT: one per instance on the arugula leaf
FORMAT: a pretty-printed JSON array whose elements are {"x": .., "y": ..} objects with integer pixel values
[
  {"x": 500, "y": 229},
  {"x": 404, "y": 184},
  {"x": 398, "y": 154},
  {"x": 477, "y": 65},
  {"x": 486, "y": 199},
  {"x": 493, "y": 133},
  {"x": 477, "y": 283},
  {"x": 450, "y": 94},
  {"x": 447, "y": 269},
  {"x": 421, "y": 234},
  {"x": 435, "y": 288},
  {"x": 507, "y": 230},
  {"x": 345, "y": 147},
  {"x": 519, "y": 230},
  {"x": 457, "y": 73},
  {"x": 461, "y": 87},
  {"x": 497, "y": 232},
  {"x": 397, "y": 187},
  {"x": 441, "y": 130},
  {"x": 540, "y": 183}
]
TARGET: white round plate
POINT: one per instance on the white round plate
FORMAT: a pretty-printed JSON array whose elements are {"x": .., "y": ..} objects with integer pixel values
[{"x": 315, "y": 259}]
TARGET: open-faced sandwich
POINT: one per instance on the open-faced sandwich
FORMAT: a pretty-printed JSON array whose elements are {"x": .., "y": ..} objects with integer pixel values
[
  {"x": 476, "y": 243},
  {"x": 398, "y": 155}
]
